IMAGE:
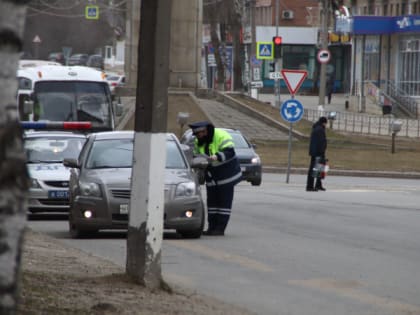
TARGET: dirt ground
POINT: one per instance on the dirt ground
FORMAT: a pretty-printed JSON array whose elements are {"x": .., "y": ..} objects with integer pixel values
[{"x": 61, "y": 280}]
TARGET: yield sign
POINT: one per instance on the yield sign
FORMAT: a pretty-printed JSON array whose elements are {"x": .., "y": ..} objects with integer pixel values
[{"x": 294, "y": 79}]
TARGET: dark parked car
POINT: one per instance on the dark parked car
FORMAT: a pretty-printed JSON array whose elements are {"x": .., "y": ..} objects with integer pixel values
[
  {"x": 78, "y": 60},
  {"x": 100, "y": 184},
  {"x": 248, "y": 159},
  {"x": 96, "y": 61}
]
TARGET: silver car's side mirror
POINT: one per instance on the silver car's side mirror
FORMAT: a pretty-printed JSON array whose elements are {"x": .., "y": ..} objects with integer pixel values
[
  {"x": 72, "y": 163},
  {"x": 199, "y": 162}
]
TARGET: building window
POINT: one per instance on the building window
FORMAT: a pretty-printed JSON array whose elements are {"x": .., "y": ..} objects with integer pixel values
[
  {"x": 372, "y": 59},
  {"x": 299, "y": 57},
  {"x": 409, "y": 66},
  {"x": 403, "y": 8}
]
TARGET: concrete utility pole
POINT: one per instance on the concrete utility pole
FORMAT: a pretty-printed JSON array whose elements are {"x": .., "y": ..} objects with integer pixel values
[
  {"x": 325, "y": 8},
  {"x": 132, "y": 40},
  {"x": 145, "y": 230}
]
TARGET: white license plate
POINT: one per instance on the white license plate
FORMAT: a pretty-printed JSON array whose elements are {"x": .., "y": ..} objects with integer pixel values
[{"x": 123, "y": 209}]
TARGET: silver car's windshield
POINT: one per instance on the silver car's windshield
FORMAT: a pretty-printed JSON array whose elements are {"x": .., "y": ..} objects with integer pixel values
[
  {"x": 118, "y": 153},
  {"x": 52, "y": 149},
  {"x": 111, "y": 153}
]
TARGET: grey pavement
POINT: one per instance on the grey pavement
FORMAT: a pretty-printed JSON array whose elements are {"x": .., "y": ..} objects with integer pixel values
[{"x": 228, "y": 117}]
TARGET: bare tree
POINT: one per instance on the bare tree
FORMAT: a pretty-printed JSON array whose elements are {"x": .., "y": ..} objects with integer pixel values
[
  {"x": 235, "y": 19},
  {"x": 227, "y": 15},
  {"x": 13, "y": 174}
]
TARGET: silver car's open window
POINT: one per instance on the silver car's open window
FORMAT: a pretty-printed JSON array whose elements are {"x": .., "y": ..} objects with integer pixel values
[{"x": 174, "y": 157}]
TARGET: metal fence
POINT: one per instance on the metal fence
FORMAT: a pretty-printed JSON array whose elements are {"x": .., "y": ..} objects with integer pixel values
[{"x": 367, "y": 124}]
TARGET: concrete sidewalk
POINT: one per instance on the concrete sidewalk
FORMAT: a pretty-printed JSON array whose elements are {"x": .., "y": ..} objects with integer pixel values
[{"x": 338, "y": 101}]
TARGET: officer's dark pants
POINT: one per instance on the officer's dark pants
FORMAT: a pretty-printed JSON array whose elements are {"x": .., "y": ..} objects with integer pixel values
[
  {"x": 219, "y": 205},
  {"x": 310, "y": 180}
]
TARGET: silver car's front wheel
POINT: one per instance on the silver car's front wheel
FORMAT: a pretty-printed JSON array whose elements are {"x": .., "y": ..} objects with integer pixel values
[
  {"x": 193, "y": 233},
  {"x": 75, "y": 232}
]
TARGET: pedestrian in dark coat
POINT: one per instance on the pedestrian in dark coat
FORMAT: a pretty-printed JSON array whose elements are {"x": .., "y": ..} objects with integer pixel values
[
  {"x": 330, "y": 86},
  {"x": 317, "y": 148}
]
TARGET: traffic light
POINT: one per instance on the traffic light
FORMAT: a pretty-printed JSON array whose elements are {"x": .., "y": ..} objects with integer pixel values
[{"x": 277, "y": 40}]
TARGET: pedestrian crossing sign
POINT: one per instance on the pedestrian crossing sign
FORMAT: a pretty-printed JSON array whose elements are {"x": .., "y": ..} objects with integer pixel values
[
  {"x": 92, "y": 12},
  {"x": 265, "y": 50}
]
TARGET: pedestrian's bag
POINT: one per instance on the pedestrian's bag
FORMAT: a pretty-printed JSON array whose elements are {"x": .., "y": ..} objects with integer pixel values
[{"x": 321, "y": 168}]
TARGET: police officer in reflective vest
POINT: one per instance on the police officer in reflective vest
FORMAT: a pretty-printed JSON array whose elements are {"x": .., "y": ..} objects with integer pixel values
[{"x": 221, "y": 175}]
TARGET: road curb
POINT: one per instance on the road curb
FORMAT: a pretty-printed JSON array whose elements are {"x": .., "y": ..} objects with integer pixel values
[{"x": 356, "y": 173}]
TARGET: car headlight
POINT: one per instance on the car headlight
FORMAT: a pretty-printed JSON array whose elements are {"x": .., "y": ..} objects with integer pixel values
[
  {"x": 90, "y": 189},
  {"x": 256, "y": 160},
  {"x": 185, "y": 189},
  {"x": 35, "y": 183}
]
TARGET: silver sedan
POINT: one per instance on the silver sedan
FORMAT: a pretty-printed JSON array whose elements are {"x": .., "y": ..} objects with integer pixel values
[{"x": 100, "y": 185}]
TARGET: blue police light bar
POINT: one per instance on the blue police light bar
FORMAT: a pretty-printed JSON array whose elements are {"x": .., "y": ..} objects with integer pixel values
[{"x": 56, "y": 125}]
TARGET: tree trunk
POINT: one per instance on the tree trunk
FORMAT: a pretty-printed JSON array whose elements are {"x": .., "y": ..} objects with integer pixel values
[
  {"x": 236, "y": 25},
  {"x": 215, "y": 42},
  {"x": 14, "y": 181}
]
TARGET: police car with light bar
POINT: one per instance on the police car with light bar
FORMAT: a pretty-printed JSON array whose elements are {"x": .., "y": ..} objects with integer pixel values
[{"x": 49, "y": 190}]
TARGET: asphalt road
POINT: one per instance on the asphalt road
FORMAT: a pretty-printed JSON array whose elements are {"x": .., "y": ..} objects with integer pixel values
[{"x": 354, "y": 249}]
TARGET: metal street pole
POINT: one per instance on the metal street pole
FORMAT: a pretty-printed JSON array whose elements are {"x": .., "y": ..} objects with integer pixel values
[
  {"x": 252, "y": 46},
  {"x": 324, "y": 45},
  {"x": 278, "y": 65}
]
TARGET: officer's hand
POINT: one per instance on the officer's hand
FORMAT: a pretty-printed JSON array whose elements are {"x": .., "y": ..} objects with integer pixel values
[{"x": 213, "y": 157}]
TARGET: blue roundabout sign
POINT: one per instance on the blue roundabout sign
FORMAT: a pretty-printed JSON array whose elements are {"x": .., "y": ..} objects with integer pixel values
[{"x": 291, "y": 110}]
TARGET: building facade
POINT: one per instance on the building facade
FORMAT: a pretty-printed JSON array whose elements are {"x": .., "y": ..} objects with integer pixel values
[
  {"x": 299, "y": 24},
  {"x": 386, "y": 55}
]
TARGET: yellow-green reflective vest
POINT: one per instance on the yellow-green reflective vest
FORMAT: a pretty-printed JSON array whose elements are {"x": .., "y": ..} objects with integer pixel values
[
  {"x": 226, "y": 172},
  {"x": 221, "y": 140}
]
